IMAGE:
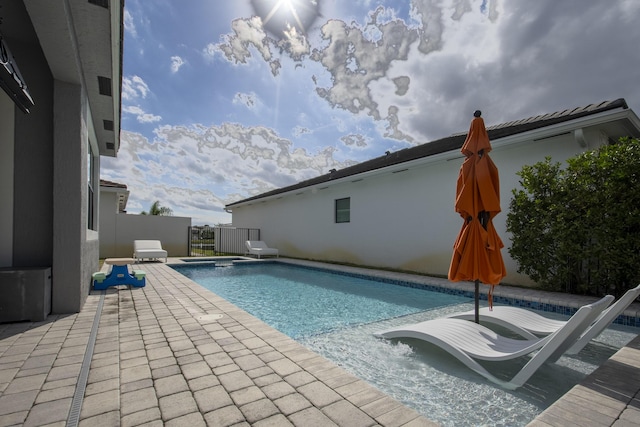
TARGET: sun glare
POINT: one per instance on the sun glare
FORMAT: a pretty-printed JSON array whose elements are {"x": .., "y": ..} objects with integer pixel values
[{"x": 279, "y": 16}]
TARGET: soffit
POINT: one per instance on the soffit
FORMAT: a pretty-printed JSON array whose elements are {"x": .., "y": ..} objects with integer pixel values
[{"x": 82, "y": 41}]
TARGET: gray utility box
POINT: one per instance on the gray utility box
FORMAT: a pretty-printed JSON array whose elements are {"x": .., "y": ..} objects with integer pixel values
[{"x": 25, "y": 294}]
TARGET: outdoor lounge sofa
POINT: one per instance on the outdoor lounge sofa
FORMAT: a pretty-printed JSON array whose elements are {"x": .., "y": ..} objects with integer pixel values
[
  {"x": 470, "y": 342},
  {"x": 530, "y": 325},
  {"x": 259, "y": 248},
  {"x": 151, "y": 249}
]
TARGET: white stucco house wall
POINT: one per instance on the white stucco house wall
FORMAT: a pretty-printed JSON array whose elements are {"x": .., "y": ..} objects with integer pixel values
[
  {"x": 118, "y": 229},
  {"x": 59, "y": 112},
  {"x": 400, "y": 206}
]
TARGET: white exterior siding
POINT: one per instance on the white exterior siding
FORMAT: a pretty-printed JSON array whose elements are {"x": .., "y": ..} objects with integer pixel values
[{"x": 404, "y": 220}]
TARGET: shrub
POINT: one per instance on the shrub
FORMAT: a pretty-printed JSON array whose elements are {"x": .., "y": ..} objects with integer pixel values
[{"x": 577, "y": 229}]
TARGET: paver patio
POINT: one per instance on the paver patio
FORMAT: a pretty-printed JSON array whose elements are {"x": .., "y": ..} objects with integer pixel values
[{"x": 157, "y": 356}]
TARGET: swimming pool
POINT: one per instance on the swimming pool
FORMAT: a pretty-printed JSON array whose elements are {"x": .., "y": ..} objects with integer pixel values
[
  {"x": 335, "y": 315},
  {"x": 215, "y": 260},
  {"x": 302, "y": 303}
]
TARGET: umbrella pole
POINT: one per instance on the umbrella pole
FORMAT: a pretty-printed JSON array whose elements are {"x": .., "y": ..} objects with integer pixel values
[
  {"x": 483, "y": 217},
  {"x": 477, "y": 317}
]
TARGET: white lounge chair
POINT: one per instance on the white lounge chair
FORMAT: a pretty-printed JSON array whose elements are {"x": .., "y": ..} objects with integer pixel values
[
  {"x": 468, "y": 341},
  {"x": 259, "y": 248},
  {"x": 151, "y": 249},
  {"x": 530, "y": 325}
]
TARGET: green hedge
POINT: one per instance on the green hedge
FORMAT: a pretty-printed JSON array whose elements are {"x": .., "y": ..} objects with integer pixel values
[{"x": 577, "y": 229}]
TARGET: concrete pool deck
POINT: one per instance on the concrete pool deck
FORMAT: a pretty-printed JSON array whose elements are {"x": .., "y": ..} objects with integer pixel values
[{"x": 173, "y": 353}]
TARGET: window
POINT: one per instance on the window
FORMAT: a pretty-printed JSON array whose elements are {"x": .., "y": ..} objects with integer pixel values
[
  {"x": 90, "y": 193},
  {"x": 343, "y": 210}
]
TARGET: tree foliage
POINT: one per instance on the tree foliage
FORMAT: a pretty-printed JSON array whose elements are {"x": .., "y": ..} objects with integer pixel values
[
  {"x": 157, "y": 209},
  {"x": 577, "y": 229}
]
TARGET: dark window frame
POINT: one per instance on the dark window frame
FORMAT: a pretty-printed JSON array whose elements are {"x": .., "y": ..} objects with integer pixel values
[
  {"x": 342, "y": 210},
  {"x": 91, "y": 212}
]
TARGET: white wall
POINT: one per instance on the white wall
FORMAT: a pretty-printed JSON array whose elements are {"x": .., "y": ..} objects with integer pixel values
[
  {"x": 118, "y": 231},
  {"x": 404, "y": 220},
  {"x": 107, "y": 224}
]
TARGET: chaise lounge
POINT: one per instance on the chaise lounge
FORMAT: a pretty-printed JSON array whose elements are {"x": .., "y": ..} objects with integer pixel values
[
  {"x": 529, "y": 324},
  {"x": 470, "y": 342},
  {"x": 259, "y": 248},
  {"x": 150, "y": 249}
]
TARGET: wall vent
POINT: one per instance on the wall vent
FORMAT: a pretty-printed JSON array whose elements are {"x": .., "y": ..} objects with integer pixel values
[
  {"x": 104, "y": 85},
  {"x": 101, "y": 3}
]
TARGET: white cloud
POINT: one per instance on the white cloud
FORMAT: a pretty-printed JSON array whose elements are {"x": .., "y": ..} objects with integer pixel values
[
  {"x": 140, "y": 114},
  {"x": 295, "y": 44},
  {"x": 213, "y": 163},
  {"x": 352, "y": 59},
  {"x": 129, "y": 25},
  {"x": 249, "y": 100},
  {"x": 247, "y": 33},
  {"x": 419, "y": 73},
  {"x": 298, "y": 131},
  {"x": 134, "y": 87},
  {"x": 355, "y": 140},
  {"x": 210, "y": 51},
  {"x": 176, "y": 63}
]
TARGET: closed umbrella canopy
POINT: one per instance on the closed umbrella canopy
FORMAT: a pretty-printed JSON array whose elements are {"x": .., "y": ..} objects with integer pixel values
[{"x": 476, "y": 252}]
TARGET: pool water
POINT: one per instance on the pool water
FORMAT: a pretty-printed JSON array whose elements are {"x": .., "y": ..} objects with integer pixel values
[
  {"x": 335, "y": 315},
  {"x": 214, "y": 260},
  {"x": 301, "y": 302}
]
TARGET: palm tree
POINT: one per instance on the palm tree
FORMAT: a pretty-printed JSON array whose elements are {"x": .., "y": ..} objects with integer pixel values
[{"x": 156, "y": 209}]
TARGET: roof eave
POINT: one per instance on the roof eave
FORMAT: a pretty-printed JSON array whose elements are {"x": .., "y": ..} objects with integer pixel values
[{"x": 620, "y": 111}]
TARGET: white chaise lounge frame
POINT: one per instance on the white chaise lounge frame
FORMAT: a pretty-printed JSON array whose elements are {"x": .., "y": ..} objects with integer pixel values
[
  {"x": 468, "y": 341},
  {"x": 151, "y": 249},
  {"x": 530, "y": 325},
  {"x": 260, "y": 248}
]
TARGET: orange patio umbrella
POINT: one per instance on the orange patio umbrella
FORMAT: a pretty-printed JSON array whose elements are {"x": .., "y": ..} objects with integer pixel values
[{"x": 476, "y": 252}]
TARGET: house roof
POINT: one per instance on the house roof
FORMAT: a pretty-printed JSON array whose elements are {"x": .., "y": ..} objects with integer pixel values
[
  {"x": 119, "y": 189},
  {"x": 450, "y": 143},
  {"x": 105, "y": 183}
]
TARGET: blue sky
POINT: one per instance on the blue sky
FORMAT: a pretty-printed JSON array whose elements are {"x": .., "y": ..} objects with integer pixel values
[{"x": 220, "y": 103}]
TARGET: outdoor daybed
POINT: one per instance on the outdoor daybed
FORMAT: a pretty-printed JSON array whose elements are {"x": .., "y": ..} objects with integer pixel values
[{"x": 151, "y": 249}]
